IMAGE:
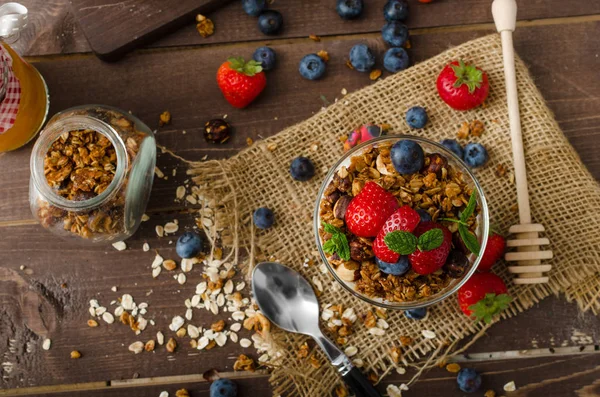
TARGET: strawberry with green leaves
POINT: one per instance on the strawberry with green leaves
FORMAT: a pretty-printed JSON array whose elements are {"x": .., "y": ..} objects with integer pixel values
[
  {"x": 483, "y": 296},
  {"x": 369, "y": 209},
  {"x": 405, "y": 219},
  {"x": 435, "y": 243},
  {"x": 462, "y": 86},
  {"x": 240, "y": 81}
]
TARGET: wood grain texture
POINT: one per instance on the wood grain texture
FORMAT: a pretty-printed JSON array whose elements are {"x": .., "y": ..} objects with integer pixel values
[
  {"x": 112, "y": 29},
  {"x": 180, "y": 81},
  {"x": 53, "y": 29}
]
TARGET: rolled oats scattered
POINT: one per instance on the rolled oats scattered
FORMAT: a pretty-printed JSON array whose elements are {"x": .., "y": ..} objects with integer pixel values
[
  {"x": 235, "y": 327},
  {"x": 164, "y": 394},
  {"x": 158, "y": 260},
  {"x": 351, "y": 351},
  {"x": 160, "y": 231},
  {"x": 108, "y": 318},
  {"x": 187, "y": 264},
  {"x": 160, "y": 338},
  {"x": 240, "y": 286},
  {"x": 127, "y": 302},
  {"x": 358, "y": 362},
  {"x": 245, "y": 343},
  {"x": 203, "y": 342},
  {"x": 171, "y": 227},
  {"x": 156, "y": 271},
  {"x": 428, "y": 334},
  {"x": 214, "y": 308},
  {"x": 220, "y": 300},
  {"x": 510, "y": 386},
  {"x": 201, "y": 287},
  {"x": 376, "y": 331},
  {"x": 171, "y": 345},
  {"x": 100, "y": 311},
  {"x": 233, "y": 337},
  {"x": 193, "y": 331},
  {"x": 228, "y": 288},
  {"x": 46, "y": 344},
  {"x": 145, "y": 218},
  {"x": 118, "y": 311},
  {"x": 221, "y": 339},
  {"x": 120, "y": 246},
  {"x": 401, "y": 370},
  {"x": 181, "y": 278},
  {"x": 142, "y": 323},
  {"x": 188, "y": 314},
  {"x": 180, "y": 192},
  {"x": 176, "y": 323},
  {"x": 393, "y": 391},
  {"x": 381, "y": 323}
]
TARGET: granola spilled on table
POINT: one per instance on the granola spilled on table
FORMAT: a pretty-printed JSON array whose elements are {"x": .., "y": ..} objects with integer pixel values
[{"x": 438, "y": 188}]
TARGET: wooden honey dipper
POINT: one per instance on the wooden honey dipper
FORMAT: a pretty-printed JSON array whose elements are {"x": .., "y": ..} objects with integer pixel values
[{"x": 529, "y": 268}]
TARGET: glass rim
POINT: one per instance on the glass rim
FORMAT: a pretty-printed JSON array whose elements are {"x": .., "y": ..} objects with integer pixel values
[
  {"x": 50, "y": 134},
  {"x": 418, "y": 303}
]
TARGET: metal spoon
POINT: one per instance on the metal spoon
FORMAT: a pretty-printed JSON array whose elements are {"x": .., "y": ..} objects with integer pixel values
[{"x": 288, "y": 300}]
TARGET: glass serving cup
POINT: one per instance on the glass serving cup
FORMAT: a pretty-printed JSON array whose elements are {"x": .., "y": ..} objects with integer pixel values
[{"x": 481, "y": 231}]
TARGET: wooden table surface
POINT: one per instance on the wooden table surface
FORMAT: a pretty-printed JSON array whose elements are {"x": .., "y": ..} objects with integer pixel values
[{"x": 45, "y": 283}]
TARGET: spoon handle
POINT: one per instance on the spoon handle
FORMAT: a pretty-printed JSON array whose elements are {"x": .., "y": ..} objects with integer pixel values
[{"x": 358, "y": 384}]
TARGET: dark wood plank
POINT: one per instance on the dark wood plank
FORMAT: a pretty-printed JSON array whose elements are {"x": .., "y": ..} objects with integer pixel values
[
  {"x": 114, "y": 29},
  {"x": 53, "y": 29},
  {"x": 182, "y": 81}
]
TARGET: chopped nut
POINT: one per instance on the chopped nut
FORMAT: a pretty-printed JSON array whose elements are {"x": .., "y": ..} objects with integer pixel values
[
  {"x": 244, "y": 363},
  {"x": 92, "y": 323},
  {"x": 476, "y": 128},
  {"x": 453, "y": 368},
  {"x": 341, "y": 391},
  {"x": 370, "y": 321},
  {"x": 171, "y": 345},
  {"x": 165, "y": 118},
  {"x": 182, "y": 393},
  {"x": 75, "y": 354},
  {"x": 181, "y": 332},
  {"x": 500, "y": 170},
  {"x": 271, "y": 146},
  {"x": 169, "y": 264},
  {"x": 314, "y": 37},
  {"x": 396, "y": 354},
  {"x": 314, "y": 361},
  {"x": 218, "y": 326},
  {"x": 463, "y": 131},
  {"x": 302, "y": 351},
  {"x": 490, "y": 393},
  {"x": 324, "y": 55},
  {"x": 149, "y": 346},
  {"x": 205, "y": 26},
  {"x": 375, "y": 74},
  {"x": 349, "y": 65},
  {"x": 406, "y": 340},
  {"x": 249, "y": 141}
]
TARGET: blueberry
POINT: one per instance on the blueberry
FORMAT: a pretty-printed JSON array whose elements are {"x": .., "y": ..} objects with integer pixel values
[
  {"x": 395, "y": 33},
  {"x": 468, "y": 380},
  {"x": 453, "y": 146},
  {"x": 270, "y": 22},
  {"x": 263, "y": 218},
  {"x": 395, "y": 10},
  {"x": 361, "y": 58},
  {"x": 425, "y": 217},
  {"x": 397, "y": 269},
  {"x": 395, "y": 60},
  {"x": 189, "y": 244},
  {"x": 475, "y": 155},
  {"x": 312, "y": 67},
  {"x": 302, "y": 169},
  {"x": 349, "y": 9},
  {"x": 407, "y": 156},
  {"x": 266, "y": 57},
  {"x": 416, "y": 314},
  {"x": 254, "y": 7},
  {"x": 416, "y": 117},
  {"x": 223, "y": 388}
]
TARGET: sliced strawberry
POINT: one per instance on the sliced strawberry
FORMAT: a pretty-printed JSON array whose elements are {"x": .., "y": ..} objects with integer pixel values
[
  {"x": 404, "y": 219},
  {"x": 483, "y": 296},
  {"x": 494, "y": 250},
  {"x": 369, "y": 209},
  {"x": 426, "y": 262}
]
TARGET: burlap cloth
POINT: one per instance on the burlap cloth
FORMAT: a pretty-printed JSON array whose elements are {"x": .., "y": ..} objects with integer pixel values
[{"x": 564, "y": 197}]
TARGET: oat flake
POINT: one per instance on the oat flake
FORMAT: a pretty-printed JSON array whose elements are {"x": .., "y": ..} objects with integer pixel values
[
  {"x": 160, "y": 338},
  {"x": 146, "y": 247},
  {"x": 127, "y": 302},
  {"x": 510, "y": 386},
  {"x": 428, "y": 334},
  {"x": 181, "y": 278},
  {"x": 158, "y": 260},
  {"x": 107, "y": 317},
  {"x": 171, "y": 227},
  {"x": 221, "y": 339},
  {"x": 136, "y": 347},
  {"x": 245, "y": 343},
  {"x": 164, "y": 394},
  {"x": 188, "y": 314},
  {"x": 235, "y": 327},
  {"x": 180, "y": 192},
  {"x": 160, "y": 231},
  {"x": 351, "y": 351},
  {"x": 193, "y": 331},
  {"x": 156, "y": 271},
  {"x": 46, "y": 344},
  {"x": 120, "y": 246}
]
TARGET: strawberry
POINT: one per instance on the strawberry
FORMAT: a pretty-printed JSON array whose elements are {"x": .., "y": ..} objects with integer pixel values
[
  {"x": 462, "y": 86},
  {"x": 483, "y": 296},
  {"x": 404, "y": 219},
  {"x": 494, "y": 250},
  {"x": 369, "y": 209},
  {"x": 240, "y": 82},
  {"x": 426, "y": 262}
]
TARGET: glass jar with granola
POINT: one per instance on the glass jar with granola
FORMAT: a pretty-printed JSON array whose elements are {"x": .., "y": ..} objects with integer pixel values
[{"x": 91, "y": 174}]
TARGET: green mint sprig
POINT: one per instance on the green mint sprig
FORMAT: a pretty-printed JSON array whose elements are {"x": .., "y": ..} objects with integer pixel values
[
  {"x": 338, "y": 243},
  {"x": 405, "y": 243},
  {"x": 467, "y": 237}
]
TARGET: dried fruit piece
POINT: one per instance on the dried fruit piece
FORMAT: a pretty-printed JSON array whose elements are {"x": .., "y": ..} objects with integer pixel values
[
  {"x": 164, "y": 118},
  {"x": 453, "y": 368},
  {"x": 149, "y": 346},
  {"x": 92, "y": 323},
  {"x": 375, "y": 74},
  {"x": 75, "y": 354},
  {"x": 244, "y": 363},
  {"x": 205, "y": 26},
  {"x": 171, "y": 345},
  {"x": 182, "y": 393},
  {"x": 324, "y": 55},
  {"x": 217, "y": 131}
]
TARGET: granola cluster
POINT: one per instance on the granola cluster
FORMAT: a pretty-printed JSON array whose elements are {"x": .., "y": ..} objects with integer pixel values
[
  {"x": 80, "y": 165},
  {"x": 438, "y": 188}
]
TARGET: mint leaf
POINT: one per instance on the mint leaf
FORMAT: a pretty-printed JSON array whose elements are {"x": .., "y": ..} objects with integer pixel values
[
  {"x": 430, "y": 240},
  {"x": 403, "y": 243},
  {"x": 453, "y": 220},
  {"x": 469, "y": 239},
  {"x": 470, "y": 208},
  {"x": 338, "y": 243}
]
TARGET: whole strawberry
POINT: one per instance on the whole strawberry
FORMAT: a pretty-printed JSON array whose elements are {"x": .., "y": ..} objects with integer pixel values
[
  {"x": 494, "y": 250},
  {"x": 483, "y": 296},
  {"x": 427, "y": 261},
  {"x": 462, "y": 86},
  {"x": 241, "y": 81},
  {"x": 369, "y": 209},
  {"x": 405, "y": 219}
]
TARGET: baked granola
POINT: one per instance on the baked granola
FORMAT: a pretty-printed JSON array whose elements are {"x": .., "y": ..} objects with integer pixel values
[{"x": 438, "y": 188}]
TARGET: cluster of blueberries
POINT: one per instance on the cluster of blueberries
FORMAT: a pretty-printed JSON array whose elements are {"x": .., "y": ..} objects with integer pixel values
[{"x": 269, "y": 21}]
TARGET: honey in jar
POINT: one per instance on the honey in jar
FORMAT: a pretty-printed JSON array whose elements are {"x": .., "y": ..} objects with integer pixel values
[{"x": 23, "y": 92}]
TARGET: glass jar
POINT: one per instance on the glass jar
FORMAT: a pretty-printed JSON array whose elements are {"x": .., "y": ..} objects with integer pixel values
[
  {"x": 92, "y": 170},
  {"x": 23, "y": 100}
]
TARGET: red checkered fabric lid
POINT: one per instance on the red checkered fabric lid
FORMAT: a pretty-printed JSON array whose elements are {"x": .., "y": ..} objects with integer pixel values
[{"x": 10, "y": 92}]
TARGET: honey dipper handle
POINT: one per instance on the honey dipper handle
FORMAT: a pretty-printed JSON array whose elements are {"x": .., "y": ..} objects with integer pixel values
[{"x": 505, "y": 18}]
